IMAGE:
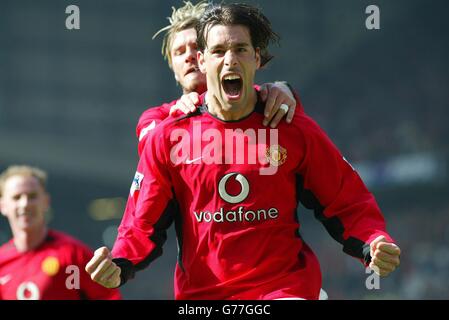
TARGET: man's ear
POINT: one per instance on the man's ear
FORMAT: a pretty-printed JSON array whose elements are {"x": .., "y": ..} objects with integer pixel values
[
  {"x": 201, "y": 63},
  {"x": 1, "y": 207},
  {"x": 258, "y": 57}
]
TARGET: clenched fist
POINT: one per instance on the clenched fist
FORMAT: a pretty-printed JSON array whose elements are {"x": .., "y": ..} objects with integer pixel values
[
  {"x": 385, "y": 256},
  {"x": 102, "y": 270}
]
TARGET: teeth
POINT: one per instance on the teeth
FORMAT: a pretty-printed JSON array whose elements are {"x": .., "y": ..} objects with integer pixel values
[{"x": 231, "y": 77}]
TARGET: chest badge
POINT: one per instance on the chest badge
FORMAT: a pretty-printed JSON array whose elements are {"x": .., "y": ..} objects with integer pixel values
[{"x": 276, "y": 155}]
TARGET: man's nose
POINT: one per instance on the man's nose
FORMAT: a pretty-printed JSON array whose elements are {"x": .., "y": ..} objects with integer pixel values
[
  {"x": 24, "y": 201},
  {"x": 190, "y": 55},
  {"x": 230, "y": 58}
]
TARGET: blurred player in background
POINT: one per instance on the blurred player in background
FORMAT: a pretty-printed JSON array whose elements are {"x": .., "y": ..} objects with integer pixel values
[
  {"x": 38, "y": 263},
  {"x": 179, "y": 49},
  {"x": 238, "y": 237}
]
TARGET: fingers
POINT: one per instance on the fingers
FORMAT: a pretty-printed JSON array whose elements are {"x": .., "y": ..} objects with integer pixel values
[
  {"x": 107, "y": 274},
  {"x": 191, "y": 100},
  {"x": 102, "y": 270},
  {"x": 380, "y": 271},
  {"x": 389, "y": 248},
  {"x": 177, "y": 108},
  {"x": 384, "y": 256},
  {"x": 383, "y": 264},
  {"x": 180, "y": 106},
  {"x": 114, "y": 278},
  {"x": 373, "y": 244},
  {"x": 387, "y": 257},
  {"x": 291, "y": 113},
  {"x": 111, "y": 277},
  {"x": 99, "y": 255},
  {"x": 377, "y": 240},
  {"x": 186, "y": 104},
  {"x": 275, "y": 97},
  {"x": 269, "y": 108},
  {"x": 277, "y": 118}
]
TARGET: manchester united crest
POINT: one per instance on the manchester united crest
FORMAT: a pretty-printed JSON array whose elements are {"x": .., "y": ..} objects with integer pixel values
[{"x": 276, "y": 155}]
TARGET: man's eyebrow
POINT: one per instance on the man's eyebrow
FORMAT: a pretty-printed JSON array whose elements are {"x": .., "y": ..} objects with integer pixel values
[
  {"x": 241, "y": 44},
  {"x": 217, "y": 46},
  {"x": 235, "y": 45}
]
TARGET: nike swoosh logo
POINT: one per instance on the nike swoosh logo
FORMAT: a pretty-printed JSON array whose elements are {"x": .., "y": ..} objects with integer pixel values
[
  {"x": 5, "y": 279},
  {"x": 193, "y": 160}
]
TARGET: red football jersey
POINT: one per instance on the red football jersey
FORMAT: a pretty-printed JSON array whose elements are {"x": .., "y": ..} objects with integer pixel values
[
  {"x": 151, "y": 117},
  {"x": 148, "y": 121},
  {"x": 53, "y": 271},
  {"x": 237, "y": 228}
]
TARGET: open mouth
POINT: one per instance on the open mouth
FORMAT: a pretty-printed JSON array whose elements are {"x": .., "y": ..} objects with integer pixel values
[
  {"x": 24, "y": 215},
  {"x": 232, "y": 85},
  {"x": 190, "y": 70}
]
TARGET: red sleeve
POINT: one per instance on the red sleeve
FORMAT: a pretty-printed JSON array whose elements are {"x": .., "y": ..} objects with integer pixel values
[
  {"x": 148, "y": 121},
  {"x": 142, "y": 231},
  {"x": 91, "y": 290},
  {"x": 330, "y": 186}
]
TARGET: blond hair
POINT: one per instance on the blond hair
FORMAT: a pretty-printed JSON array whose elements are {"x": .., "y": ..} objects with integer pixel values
[
  {"x": 24, "y": 171},
  {"x": 181, "y": 19}
]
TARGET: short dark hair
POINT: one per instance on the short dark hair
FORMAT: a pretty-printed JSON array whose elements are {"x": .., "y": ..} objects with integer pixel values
[{"x": 239, "y": 14}]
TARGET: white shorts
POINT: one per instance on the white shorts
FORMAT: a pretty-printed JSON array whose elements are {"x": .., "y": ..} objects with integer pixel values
[{"x": 323, "y": 296}]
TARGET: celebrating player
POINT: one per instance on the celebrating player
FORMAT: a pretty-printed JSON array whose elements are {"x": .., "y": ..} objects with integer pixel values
[
  {"x": 238, "y": 235},
  {"x": 179, "y": 49}
]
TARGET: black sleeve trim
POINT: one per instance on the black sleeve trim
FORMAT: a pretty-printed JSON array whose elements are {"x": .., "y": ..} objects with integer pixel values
[
  {"x": 179, "y": 236},
  {"x": 352, "y": 246},
  {"x": 160, "y": 234},
  {"x": 159, "y": 237},
  {"x": 358, "y": 248},
  {"x": 127, "y": 270}
]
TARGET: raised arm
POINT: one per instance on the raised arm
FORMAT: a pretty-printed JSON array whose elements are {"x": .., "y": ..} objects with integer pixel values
[{"x": 330, "y": 186}]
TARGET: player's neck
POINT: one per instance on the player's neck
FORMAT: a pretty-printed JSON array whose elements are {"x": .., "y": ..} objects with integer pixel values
[
  {"x": 200, "y": 89},
  {"x": 216, "y": 109},
  {"x": 29, "y": 240}
]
